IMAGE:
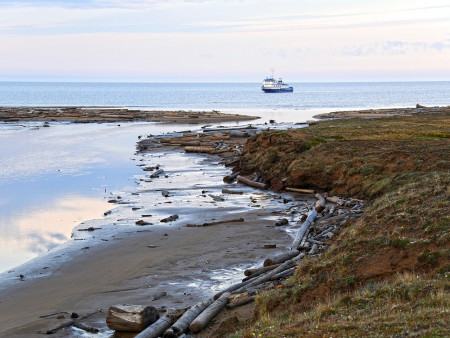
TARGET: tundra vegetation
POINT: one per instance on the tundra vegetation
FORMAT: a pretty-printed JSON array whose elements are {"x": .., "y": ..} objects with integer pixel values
[{"x": 387, "y": 273}]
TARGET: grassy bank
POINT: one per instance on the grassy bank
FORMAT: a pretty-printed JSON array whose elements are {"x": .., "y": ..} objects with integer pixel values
[{"x": 387, "y": 273}]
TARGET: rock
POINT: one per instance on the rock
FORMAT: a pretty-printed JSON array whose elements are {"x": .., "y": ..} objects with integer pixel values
[
  {"x": 282, "y": 222},
  {"x": 165, "y": 193},
  {"x": 217, "y": 198},
  {"x": 170, "y": 218},
  {"x": 142, "y": 222},
  {"x": 131, "y": 318}
]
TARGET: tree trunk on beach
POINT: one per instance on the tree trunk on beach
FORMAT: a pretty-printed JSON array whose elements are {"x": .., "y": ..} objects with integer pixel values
[
  {"x": 246, "y": 181},
  {"x": 186, "y": 319},
  {"x": 204, "y": 318},
  {"x": 281, "y": 258},
  {"x": 303, "y": 229},
  {"x": 157, "y": 328}
]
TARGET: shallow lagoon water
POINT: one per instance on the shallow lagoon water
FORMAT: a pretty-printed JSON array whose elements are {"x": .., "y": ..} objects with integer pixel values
[{"x": 53, "y": 178}]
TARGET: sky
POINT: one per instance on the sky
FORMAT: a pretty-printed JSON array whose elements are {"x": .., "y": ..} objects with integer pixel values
[{"x": 224, "y": 40}]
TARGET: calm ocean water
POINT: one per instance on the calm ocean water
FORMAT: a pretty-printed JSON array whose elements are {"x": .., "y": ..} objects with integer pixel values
[
  {"x": 219, "y": 96},
  {"x": 53, "y": 178}
]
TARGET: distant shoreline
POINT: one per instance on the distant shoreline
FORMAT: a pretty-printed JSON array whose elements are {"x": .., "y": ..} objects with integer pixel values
[
  {"x": 110, "y": 114},
  {"x": 383, "y": 112}
]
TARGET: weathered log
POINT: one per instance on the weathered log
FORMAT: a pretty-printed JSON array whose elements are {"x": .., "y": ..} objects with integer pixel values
[
  {"x": 302, "y": 231},
  {"x": 323, "y": 233},
  {"x": 313, "y": 241},
  {"x": 238, "y": 133},
  {"x": 205, "y": 130},
  {"x": 84, "y": 327},
  {"x": 258, "y": 271},
  {"x": 232, "y": 288},
  {"x": 230, "y": 178},
  {"x": 241, "y": 302},
  {"x": 305, "y": 236},
  {"x": 246, "y": 181},
  {"x": 283, "y": 257},
  {"x": 207, "y": 224},
  {"x": 157, "y": 173},
  {"x": 157, "y": 328},
  {"x": 209, "y": 313},
  {"x": 267, "y": 276},
  {"x": 313, "y": 250},
  {"x": 232, "y": 192},
  {"x": 71, "y": 322},
  {"x": 320, "y": 204},
  {"x": 336, "y": 200},
  {"x": 186, "y": 319},
  {"x": 298, "y": 258},
  {"x": 287, "y": 272},
  {"x": 301, "y": 191},
  {"x": 207, "y": 150},
  {"x": 131, "y": 318}
]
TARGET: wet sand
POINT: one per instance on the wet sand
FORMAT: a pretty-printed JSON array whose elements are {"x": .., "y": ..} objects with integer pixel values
[{"x": 141, "y": 262}]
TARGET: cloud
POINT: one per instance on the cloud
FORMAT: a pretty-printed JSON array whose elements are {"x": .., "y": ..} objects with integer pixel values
[
  {"x": 132, "y": 4},
  {"x": 394, "y": 48}
]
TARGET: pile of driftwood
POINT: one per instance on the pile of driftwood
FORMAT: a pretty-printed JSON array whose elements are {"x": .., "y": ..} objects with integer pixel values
[
  {"x": 210, "y": 141},
  {"x": 321, "y": 224}
]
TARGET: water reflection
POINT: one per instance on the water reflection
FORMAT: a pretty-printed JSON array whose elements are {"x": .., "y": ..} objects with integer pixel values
[{"x": 27, "y": 233}]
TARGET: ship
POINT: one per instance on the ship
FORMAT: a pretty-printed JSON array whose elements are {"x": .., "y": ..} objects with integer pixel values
[{"x": 271, "y": 85}]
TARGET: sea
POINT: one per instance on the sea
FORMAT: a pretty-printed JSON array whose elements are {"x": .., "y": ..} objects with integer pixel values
[{"x": 52, "y": 179}]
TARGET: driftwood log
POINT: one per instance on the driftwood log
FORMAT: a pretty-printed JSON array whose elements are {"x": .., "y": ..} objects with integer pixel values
[
  {"x": 209, "y": 313},
  {"x": 281, "y": 258},
  {"x": 157, "y": 328},
  {"x": 301, "y": 191},
  {"x": 186, "y": 319},
  {"x": 246, "y": 181},
  {"x": 320, "y": 204},
  {"x": 266, "y": 277},
  {"x": 71, "y": 322},
  {"x": 258, "y": 271},
  {"x": 232, "y": 288},
  {"x": 131, "y": 318},
  {"x": 207, "y": 150},
  {"x": 157, "y": 173},
  {"x": 336, "y": 200},
  {"x": 287, "y": 272},
  {"x": 84, "y": 327},
  {"x": 303, "y": 229},
  {"x": 240, "y": 302},
  {"x": 230, "y": 178}
]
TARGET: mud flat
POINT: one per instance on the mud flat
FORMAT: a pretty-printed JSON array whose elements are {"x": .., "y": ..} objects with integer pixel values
[
  {"x": 105, "y": 114},
  {"x": 385, "y": 112}
]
